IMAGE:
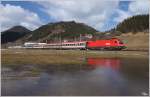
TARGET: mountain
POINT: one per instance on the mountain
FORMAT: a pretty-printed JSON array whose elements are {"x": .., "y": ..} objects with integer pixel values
[
  {"x": 13, "y": 34},
  {"x": 133, "y": 24},
  {"x": 65, "y": 30}
]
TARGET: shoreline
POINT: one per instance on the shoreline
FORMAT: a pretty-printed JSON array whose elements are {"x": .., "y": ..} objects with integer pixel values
[{"x": 21, "y": 56}]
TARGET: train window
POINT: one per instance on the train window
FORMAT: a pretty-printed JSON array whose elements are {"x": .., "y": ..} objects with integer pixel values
[
  {"x": 116, "y": 42},
  {"x": 121, "y": 42}
]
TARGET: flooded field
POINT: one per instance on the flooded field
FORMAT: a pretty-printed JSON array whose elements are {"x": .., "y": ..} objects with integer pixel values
[{"x": 96, "y": 77}]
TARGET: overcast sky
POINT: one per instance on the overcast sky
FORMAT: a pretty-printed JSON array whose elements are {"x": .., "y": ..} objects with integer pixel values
[{"x": 100, "y": 14}]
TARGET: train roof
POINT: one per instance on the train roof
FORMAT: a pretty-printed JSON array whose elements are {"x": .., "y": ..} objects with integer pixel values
[{"x": 69, "y": 42}]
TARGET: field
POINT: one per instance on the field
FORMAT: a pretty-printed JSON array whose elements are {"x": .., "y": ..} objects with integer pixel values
[{"x": 30, "y": 56}]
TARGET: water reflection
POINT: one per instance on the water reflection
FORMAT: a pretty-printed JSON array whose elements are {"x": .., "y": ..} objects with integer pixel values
[
  {"x": 113, "y": 63},
  {"x": 98, "y": 77}
]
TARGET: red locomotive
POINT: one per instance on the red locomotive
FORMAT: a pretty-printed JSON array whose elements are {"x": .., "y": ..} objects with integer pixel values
[{"x": 108, "y": 44}]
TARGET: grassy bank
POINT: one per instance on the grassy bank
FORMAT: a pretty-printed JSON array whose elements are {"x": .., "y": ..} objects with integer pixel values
[
  {"x": 20, "y": 56},
  {"x": 138, "y": 41}
]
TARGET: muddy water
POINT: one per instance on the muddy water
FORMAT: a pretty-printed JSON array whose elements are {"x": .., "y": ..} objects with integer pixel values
[{"x": 100, "y": 76}]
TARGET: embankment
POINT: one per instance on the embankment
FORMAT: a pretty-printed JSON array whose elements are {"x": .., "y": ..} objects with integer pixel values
[{"x": 138, "y": 41}]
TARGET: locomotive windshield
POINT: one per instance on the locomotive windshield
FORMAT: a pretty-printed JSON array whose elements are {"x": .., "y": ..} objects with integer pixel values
[{"x": 120, "y": 42}]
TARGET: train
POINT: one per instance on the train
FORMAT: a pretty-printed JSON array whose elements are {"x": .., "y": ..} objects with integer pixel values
[{"x": 106, "y": 44}]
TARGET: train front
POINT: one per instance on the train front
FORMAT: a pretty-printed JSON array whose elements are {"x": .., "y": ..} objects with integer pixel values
[{"x": 120, "y": 45}]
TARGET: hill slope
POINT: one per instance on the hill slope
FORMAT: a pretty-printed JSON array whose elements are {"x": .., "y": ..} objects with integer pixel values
[
  {"x": 67, "y": 30},
  {"x": 133, "y": 24},
  {"x": 13, "y": 34},
  {"x": 138, "y": 41}
]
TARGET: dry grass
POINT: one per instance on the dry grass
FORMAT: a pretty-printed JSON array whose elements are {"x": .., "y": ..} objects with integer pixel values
[
  {"x": 20, "y": 56},
  {"x": 139, "y": 41}
]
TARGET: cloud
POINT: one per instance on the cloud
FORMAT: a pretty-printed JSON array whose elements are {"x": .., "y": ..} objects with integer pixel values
[
  {"x": 92, "y": 12},
  {"x": 15, "y": 15},
  {"x": 139, "y": 7},
  {"x": 121, "y": 15},
  {"x": 96, "y": 13},
  {"x": 135, "y": 8}
]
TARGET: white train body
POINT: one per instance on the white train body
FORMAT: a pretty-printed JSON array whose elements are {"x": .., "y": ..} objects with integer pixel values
[{"x": 63, "y": 45}]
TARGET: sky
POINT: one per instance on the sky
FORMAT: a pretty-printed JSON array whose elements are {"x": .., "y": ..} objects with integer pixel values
[{"x": 100, "y": 14}]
